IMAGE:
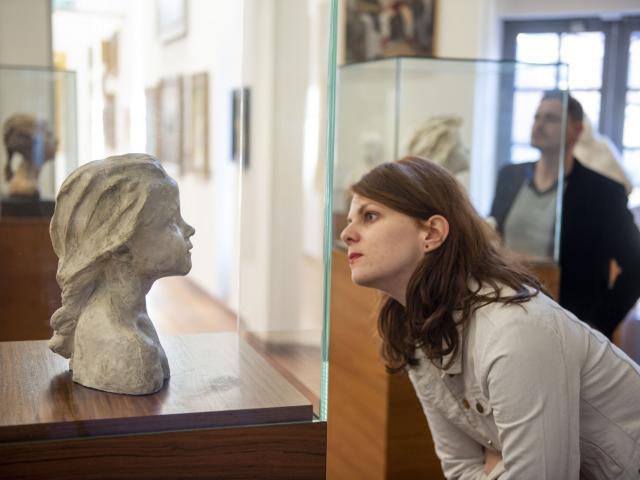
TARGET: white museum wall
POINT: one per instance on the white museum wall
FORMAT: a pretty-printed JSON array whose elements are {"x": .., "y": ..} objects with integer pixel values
[
  {"x": 262, "y": 253},
  {"x": 282, "y": 202},
  {"x": 254, "y": 265},
  {"x": 213, "y": 44},
  {"x": 79, "y": 36},
  {"x": 25, "y": 34}
]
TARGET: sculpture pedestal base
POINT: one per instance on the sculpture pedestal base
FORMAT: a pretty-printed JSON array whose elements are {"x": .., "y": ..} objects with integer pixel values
[
  {"x": 51, "y": 427},
  {"x": 26, "y": 207}
]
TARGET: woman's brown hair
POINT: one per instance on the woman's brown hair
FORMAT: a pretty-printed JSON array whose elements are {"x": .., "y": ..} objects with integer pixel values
[{"x": 445, "y": 289}]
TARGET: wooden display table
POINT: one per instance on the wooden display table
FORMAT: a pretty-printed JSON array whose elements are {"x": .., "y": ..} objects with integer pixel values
[{"x": 51, "y": 427}]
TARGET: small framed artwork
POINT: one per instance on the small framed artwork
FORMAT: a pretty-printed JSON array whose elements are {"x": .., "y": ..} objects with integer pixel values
[
  {"x": 152, "y": 120},
  {"x": 109, "y": 121},
  {"x": 388, "y": 28},
  {"x": 170, "y": 133},
  {"x": 172, "y": 19},
  {"x": 240, "y": 121},
  {"x": 110, "y": 55},
  {"x": 198, "y": 161}
]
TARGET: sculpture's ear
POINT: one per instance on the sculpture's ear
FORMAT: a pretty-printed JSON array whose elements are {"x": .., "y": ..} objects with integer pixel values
[{"x": 122, "y": 253}]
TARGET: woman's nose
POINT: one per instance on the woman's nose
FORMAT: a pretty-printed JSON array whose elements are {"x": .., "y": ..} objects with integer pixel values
[{"x": 348, "y": 235}]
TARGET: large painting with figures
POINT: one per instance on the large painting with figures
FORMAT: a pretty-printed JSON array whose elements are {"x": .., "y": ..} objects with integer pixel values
[{"x": 388, "y": 28}]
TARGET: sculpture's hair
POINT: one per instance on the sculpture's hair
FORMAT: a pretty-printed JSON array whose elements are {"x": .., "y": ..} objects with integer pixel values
[
  {"x": 98, "y": 209},
  {"x": 447, "y": 286}
]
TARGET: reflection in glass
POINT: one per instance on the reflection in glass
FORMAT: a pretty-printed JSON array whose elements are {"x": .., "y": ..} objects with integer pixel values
[{"x": 387, "y": 107}]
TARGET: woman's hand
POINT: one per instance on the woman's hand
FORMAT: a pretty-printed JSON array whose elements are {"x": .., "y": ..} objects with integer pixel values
[{"x": 491, "y": 459}]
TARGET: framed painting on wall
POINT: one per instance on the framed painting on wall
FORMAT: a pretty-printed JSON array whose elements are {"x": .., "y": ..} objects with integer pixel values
[
  {"x": 152, "y": 120},
  {"x": 172, "y": 19},
  {"x": 170, "y": 133},
  {"x": 110, "y": 55},
  {"x": 198, "y": 159},
  {"x": 388, "y": 28},
  {"x": 240, "y": 121},
  {"x": 109, "y": 121}
]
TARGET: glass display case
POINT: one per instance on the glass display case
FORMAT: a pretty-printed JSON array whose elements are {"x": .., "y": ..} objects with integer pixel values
[
  {"x": 245, "y": 332},
  {"x": 460, "y": 113},
  {"x": 39, "y": 144}
]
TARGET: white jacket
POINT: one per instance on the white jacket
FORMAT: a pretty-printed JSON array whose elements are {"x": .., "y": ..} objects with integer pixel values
[{"x": 554, "y": 396}]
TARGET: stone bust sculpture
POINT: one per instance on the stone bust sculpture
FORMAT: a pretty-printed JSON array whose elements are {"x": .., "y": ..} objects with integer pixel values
[
  {"x": 33, "y": 139},
  {"x": 116, "y": 229}
]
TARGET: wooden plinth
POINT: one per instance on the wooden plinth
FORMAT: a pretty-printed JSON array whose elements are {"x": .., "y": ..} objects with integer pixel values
[
  {"x": 29, "y": 293},
  {"x": 216, "y": 380},
  {"x": 291, "y": 451},
  {"x": 377, "y": 429},
  {"x": 220, "y": 388}
]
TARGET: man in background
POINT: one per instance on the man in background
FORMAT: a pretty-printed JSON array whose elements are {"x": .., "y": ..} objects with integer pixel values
[{"x": 596, "y": 226}]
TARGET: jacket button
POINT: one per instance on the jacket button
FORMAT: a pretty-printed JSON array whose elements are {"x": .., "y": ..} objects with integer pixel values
[
  {"x": 465, "y": 403},
  {"x": 479, "y": 408}
]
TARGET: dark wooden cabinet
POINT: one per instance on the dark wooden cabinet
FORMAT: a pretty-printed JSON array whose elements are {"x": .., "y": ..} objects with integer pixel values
[{"x": 224, "y": 413}]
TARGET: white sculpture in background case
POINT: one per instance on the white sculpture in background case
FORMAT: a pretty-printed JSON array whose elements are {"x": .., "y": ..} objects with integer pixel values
[
  {"x": 36, "y": 144},
  {"x": 439, "y": 139},
  {"x": 116, "y": 229}
]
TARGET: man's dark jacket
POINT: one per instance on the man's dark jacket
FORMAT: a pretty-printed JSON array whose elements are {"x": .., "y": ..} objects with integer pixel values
[{"x": 596, "y": 227}]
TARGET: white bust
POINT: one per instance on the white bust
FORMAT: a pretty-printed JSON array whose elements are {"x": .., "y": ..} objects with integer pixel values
[{"x": 116, "y": 229}]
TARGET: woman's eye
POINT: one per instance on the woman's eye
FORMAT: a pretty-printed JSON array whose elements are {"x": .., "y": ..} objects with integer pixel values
[{"x": 370, "y": 216}]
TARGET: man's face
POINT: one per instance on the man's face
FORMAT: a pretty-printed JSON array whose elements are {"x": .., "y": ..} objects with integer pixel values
[{"x": 547, "y": 128}]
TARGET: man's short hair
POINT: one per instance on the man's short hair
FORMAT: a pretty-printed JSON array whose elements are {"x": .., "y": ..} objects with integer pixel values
[{"x": 574, "y": 109}]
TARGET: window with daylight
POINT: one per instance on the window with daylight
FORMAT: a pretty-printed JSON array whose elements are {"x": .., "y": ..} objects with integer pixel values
[{"x": 603, "y": 60}]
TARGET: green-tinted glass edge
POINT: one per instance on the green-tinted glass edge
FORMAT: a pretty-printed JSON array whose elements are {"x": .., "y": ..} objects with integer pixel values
[{"x": 328, "y": 206}]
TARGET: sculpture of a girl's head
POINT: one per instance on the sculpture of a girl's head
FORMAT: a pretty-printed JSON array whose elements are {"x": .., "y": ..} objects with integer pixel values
[{"x": 116, "y": 221}]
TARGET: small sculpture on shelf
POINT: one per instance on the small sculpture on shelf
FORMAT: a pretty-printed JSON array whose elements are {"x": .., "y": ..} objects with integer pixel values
[
  {"x": 116, "y": 229},
  {"x": 35, "y": 142},
  {"x": 439, "y": 140}
]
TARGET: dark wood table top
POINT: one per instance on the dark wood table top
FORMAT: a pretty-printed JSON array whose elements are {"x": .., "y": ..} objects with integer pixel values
[{"x": 216, "y": 380}]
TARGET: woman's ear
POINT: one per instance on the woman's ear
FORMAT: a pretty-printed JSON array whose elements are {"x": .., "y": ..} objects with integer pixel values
[{"x": 435, "y": 232}]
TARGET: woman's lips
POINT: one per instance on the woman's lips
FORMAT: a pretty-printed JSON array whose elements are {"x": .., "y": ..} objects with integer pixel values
[{"x": 354, "y": 256}]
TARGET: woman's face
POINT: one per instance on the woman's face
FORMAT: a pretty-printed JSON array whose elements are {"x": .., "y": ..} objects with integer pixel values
[
  {"x": 384, "y": 246},
  {"x": 161, "y": 246}
]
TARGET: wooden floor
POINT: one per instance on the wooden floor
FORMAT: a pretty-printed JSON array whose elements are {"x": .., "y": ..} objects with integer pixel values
[{"x": 177, "y": 306}]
